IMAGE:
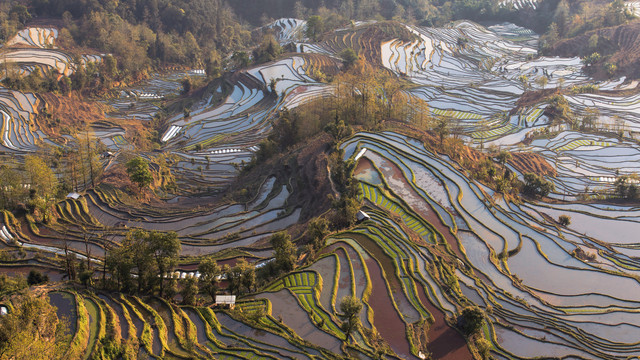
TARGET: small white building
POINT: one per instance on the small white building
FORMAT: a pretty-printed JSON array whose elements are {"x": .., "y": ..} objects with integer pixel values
[
  {"x": 3, "y": 310},
  {"x": 73, "y": 195},
  {"x": 225, "y": 301}
]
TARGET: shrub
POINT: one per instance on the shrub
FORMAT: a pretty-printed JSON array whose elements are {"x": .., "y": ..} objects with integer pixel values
[
  {"x": 36, "y": 277},
  {"x": 484, "y": 347},
  {"x": 471, "y": 320},
  {"x": 349, "y": 57},
  {"x": 564, "y": 220},
  {"x": 591, "y": 59},
  {"x": 536, "y": 186}
]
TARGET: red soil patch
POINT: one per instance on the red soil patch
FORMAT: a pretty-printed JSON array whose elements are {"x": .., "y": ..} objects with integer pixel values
[
  {"x": 73, "y": 114},
  {"x": 363, "y": 165},
  {"x": 531, "y": 98},
  {"x": 386, "y": 319},
  {"x": 531, "y": 162},
  {"x": 444, "y": 342},
  {"x": 71, "y": 111}
]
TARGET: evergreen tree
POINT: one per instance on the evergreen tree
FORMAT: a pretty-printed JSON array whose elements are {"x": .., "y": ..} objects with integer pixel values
[
  {"x": 285, "y": 251},
  {"x": 139, "y": 173},
  {"x": 350, "y": 308},
  {"x": 209, "y": 273}
]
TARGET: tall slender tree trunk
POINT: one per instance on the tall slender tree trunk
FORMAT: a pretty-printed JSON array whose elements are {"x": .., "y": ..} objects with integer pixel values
[
  {"x": 87, "y": 251},
  {"x": 89, "y": 160}
]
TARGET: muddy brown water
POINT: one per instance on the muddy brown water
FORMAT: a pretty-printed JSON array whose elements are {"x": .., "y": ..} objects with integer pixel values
[
  {"x": 392, "y": 172},
  {"x": 444, "y": 342},
  {"x": 385, "y": 317}
]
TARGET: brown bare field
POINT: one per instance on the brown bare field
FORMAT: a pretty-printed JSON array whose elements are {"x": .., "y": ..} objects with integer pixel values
[
  {"x": 72, "y": 114},
  {"x": 622, "y": 42},
  {"x": 531, "y": 162}
]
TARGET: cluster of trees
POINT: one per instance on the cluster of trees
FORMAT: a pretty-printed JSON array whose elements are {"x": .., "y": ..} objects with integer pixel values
[
  {"x": 79, "y": 163},
  {"x": 564, "y": 220},
  {"x": 49, "y": 176},
  {"x": 200, "y": 32},
  {"x": 145, "y": 33},
  {"x": 317, "y": 231},
  {"x": 559, "y": 110},
  {"x": 139, "y": 173},
  {"x": 33, "y": 185},
  {"x": 12, "y": 17},
  {"x": 33, "y": 330},
  {"x": 240, "y": 278},
  {"x": 11, "y": 284},
  {"x": 364, "y": 96},
  {"x": 350, "y": 308},
  {"x": 348, "y": 203},
  {"x": 536, "y": 186},
  {"x": 490, "y": 172},
  {"x": 146, "y": 261},
  {"x": 88, "y": 77},
  {"x": 367, "y": 96},
  {"x": 268, "y": 50},
  {"x": 36, "y": 277},
  {"x": 580, "y": 17},
  {"x": 626, "y": 187},
  {"x": 243, "y": 277},
  {"x": 284, "y": 134},
  {"x": 285, "y": 252},
  {"x": 150, "y": 256},
  {"x": 471, "y": 320},
  {"x": 336, "y": 12}
]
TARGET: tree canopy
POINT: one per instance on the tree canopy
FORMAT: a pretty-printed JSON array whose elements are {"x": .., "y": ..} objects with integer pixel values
[
  {"x": 350, "y": 308},
  {"x": 32, "y": 328},
  {"x": 471, "y": 320},
  {"x": 209, "y": 272},
  {"x": 285, "y": 251},
  {"x": 139, "y": 173},
  {"x": 148, "y": 254},
  {"x": 536, "y": 186}
]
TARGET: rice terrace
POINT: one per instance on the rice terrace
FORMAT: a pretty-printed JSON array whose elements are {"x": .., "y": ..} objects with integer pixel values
[{"x": 345, "y": 179}]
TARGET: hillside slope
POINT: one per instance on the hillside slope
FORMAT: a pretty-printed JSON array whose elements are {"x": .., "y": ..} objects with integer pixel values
[{"x": 618, "y": 45}]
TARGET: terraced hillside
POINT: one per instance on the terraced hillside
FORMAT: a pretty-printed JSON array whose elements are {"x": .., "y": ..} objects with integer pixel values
[
  {"x": 159, "y": 329},
  {"x": 513, "y": 260},
  {"x": 437, "y": 241},
  {"x": 34, "y": 47}
]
